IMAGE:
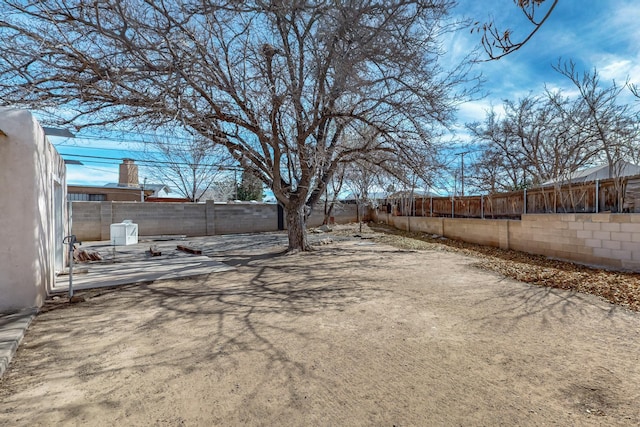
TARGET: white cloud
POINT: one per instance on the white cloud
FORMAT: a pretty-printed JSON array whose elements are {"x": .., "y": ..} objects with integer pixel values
[
  {"x": 476, "y": 111},
  {"x": 615, "y": 68},
  {"x": 623, "y": 21},
  {"x": 567, "y": 88},
  {"x": 619, "y": 68}
]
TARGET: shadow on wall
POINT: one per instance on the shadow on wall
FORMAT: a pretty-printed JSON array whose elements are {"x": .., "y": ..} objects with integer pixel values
[{"x": 29, "y": 169}]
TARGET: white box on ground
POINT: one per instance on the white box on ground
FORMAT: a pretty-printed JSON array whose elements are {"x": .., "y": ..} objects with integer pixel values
[{"x": 124, "y": 233}]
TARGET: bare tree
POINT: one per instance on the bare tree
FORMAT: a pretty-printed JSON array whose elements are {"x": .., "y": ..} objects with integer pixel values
[
  {"x": 487, "y": 170},
  {"x": 548, "y": 138},
  {"x": 502, "y": 164},
  {"x": 539, "y": 138},
  {"x": 222, "y": 189},
  {"x": 332, "y": 192},
  {"x": 276, "y": 83},
  {"x": 189, "y": 167},
  {"x": 615, "y": 126}
]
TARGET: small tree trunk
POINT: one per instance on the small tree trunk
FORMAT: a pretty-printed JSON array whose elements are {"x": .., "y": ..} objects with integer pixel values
[
  {"x": 296, "y": 228},
  {"x": 327, "y": 215}
]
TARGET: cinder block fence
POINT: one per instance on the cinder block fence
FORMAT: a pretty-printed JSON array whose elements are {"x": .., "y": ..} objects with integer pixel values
[
  {"x": 610, "y": 240},
  {"x": 92, "y": 220}
]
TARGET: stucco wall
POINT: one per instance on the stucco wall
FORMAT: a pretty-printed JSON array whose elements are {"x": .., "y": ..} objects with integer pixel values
[
  {"x": 32, "y": 179},
  {"x": 611, "y": 240},
  {"x": 92, "y": 220}
]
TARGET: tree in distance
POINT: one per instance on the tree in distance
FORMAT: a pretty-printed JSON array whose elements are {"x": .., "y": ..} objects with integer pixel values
[
  {"x": 190, "y": 166},
  {"x": 250, "y": 187}
]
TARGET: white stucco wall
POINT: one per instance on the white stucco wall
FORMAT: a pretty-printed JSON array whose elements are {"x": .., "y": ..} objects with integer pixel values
[{"x": 32, "y": 211}]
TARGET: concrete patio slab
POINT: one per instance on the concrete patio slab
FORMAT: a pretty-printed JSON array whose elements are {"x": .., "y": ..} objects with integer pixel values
[
  {"x": 130, "y": 266},
  {"x": 125, "y": 265},
  {"x": 146, "y": 270},
  {"x": 12, "y": 329}
]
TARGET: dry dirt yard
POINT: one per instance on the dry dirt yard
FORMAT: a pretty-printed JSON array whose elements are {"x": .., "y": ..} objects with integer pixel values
[{"x": 357, "y": 332}]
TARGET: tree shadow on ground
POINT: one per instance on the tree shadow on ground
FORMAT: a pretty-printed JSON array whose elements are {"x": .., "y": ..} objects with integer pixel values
[
  {"x": 215, "y": 318},
  {"x": 518, "y": 302},
  {"x": 622, "y": 288}
]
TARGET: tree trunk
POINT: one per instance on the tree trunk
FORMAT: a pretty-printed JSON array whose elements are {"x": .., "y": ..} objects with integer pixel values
[
  {"x": 328, "y": 213},
  {"x": 296, "y": 228}
]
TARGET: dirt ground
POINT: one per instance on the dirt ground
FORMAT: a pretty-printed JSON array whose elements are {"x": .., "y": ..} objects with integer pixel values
[{"x": 354, "y": 333}]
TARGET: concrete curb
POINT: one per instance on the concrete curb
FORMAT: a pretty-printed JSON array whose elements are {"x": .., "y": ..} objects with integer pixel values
[{"x": 12, "y": 330}]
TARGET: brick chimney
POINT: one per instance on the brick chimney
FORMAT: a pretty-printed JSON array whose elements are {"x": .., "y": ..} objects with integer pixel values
[{"x": 128, "y": 174}]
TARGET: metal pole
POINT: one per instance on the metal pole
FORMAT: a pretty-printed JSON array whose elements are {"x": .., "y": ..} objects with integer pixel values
[
  {"x": 462, "y": 174},
  {"x": 452, "y": 207},
  {"x": 71, "y": 241},
  {"x": 597, "y": 195},
  {"x": 69, "y": 215},
  {"x": 462, "y": 170},
  {"x": 235, "y": 184},
  {"x": 71, "y": 269}
]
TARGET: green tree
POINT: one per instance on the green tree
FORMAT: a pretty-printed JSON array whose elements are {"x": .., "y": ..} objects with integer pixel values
[{"x": 250, "y": 187}]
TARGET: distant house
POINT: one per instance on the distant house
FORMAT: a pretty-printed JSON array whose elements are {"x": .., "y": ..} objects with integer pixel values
[
  {"x": 126, "y": 189},
  {"x": 598, "y": 172},
  {"x": 415, "y": 193}
]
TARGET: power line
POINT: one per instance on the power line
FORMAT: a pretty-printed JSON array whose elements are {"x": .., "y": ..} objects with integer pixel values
[
  {"x": 83, "y": 147},
  {"x": 143, "y": 161},
  {"x": 154, "y": 139},
  {"x": 99, "y": 169}
]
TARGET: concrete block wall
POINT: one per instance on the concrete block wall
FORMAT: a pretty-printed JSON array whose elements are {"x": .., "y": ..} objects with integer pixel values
[
  {"x": 341, "y": 215},
  {"x": 482, "y": 232},
  {"x": 92, "y": 220},
  {"x": 245, "y": 218},
  {"x": 155, "y": 219},
  {"x": 428, "y": 225},
  {"x": 418, "y": 224},
  {"x": 610, "y": 240},
  {"x": 106, "y": 219},
  {"x": 489, "y": 233},
  {"x": 402, "y": 223},
  {"x": 87, "y": 220}
]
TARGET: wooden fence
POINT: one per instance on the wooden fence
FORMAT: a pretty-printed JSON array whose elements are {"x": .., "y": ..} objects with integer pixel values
[{"x": 610, "y": 195}]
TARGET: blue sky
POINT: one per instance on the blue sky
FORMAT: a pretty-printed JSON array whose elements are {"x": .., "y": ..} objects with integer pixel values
[{"x": 601, "y": 34}]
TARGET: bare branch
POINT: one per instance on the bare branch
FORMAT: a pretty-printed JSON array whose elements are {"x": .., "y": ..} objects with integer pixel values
[{"x": 498, "y": 43}]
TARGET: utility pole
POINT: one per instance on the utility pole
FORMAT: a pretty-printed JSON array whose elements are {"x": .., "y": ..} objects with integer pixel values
[
  {"x": 235, "y": 183},
  {"x": 462, "y": 171}
]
